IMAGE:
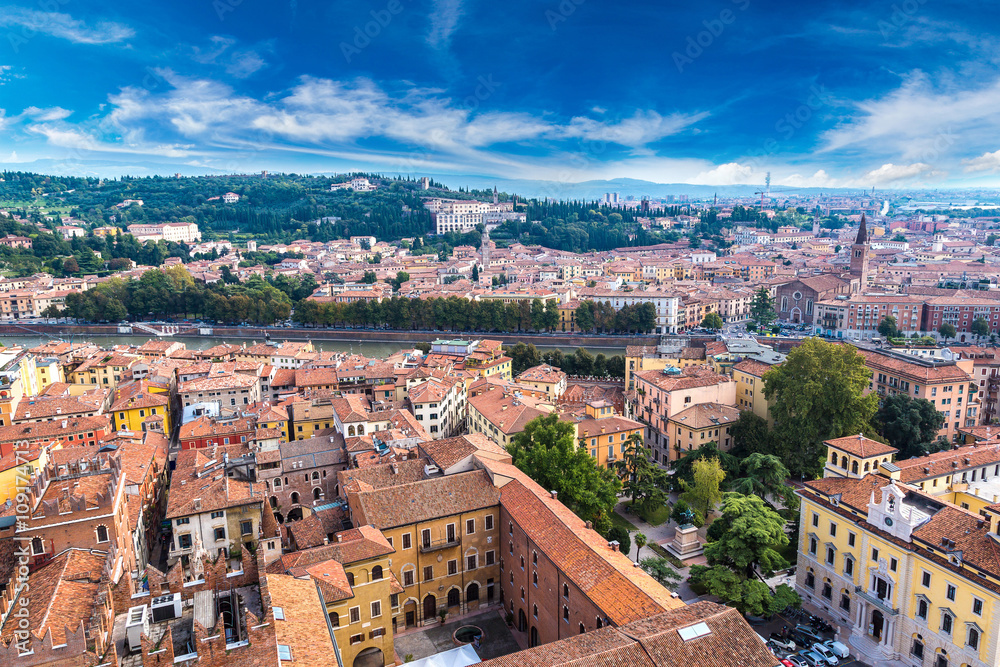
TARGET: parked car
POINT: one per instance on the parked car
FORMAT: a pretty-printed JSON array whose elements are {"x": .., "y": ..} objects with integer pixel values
[
  {"x": 805, "y": 635},
  {"x": 812, "y": 658},
  {"x": 782, "y": 642},
  {"x": 786, "y": 662},
  {"x": 826, "y": 653},
  {"x": 838, "y": 649},
  {"x": 798, "y": 661}
]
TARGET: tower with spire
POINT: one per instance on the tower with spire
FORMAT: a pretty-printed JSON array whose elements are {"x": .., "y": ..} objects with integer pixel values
[
  {"x": 496, "y": 195},
  {"x": 859, "y": 255}
]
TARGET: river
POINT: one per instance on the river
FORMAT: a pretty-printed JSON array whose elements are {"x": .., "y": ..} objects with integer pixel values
[{"x": 369, "y": 349}]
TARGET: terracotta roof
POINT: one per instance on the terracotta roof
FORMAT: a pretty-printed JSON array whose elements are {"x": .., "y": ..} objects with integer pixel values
[
  {"x": 427, "y": 499},
  {"x": 449, "y": 451},
  {"x": 706, "y": 415},
  {"x": 752, "y": 367},
  {"x": 859, "y": 445},
  {"x": 199, "y": 485},
  {"x": 304, "y": 626},
  {"x": 923, "y": 373},
  {"x": 948, "y": 462},
  {"x": 689, "y": 378}
]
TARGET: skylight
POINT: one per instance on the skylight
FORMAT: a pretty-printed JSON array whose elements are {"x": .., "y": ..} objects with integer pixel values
[{"x": 694, "y": 631}]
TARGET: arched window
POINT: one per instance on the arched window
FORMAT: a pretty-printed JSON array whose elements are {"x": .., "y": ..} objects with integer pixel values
[
  {"x": 361, "y": 429},
  {"x": 472, "y": 593},
  {"x": 534, "y": 578},
  {"x": 867, "y": 466},
  {"x": 833, "y": 458},
  {"x": 334, "y": 619},
  {"x": 315, "y": 475},
  {"x": 350, "y": 431},
  {"x": 376, "y": 573},
  {"x": 854, "y": 467},
  {"x": 102, "y": 533},
  {"x": 843, "y": 462},
  {"x": 274, "y": 503},
  {"x": 566, "y": 591},
  {"x": 600, "y": 622},
  {"x": 973, "y": 640},
  {"x": 582, "y": 629},
  {"x": 534, "y": 610},
  {"x": 316, "y": 493},
  {"x": 565, "y": 613},
  {"x": 37, "y": 546},
  {"x": 295, "y": 497}
]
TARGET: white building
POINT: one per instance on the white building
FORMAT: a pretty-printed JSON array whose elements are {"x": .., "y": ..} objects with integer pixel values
[
  {"x": 230, "y": 198},
  {"x": 176, "y": 232},
  {"x": 439, "y": 405}
]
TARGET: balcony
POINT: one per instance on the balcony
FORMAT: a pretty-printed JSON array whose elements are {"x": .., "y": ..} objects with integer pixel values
[
  {"x": 437, "y": 545},
  {"x": 882, "y": 604}
]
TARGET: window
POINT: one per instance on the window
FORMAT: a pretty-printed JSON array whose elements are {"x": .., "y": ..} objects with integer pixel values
[
  {"x": 972, "y": 641},
  {"x": 220, "y": 534},
  {"x": 186, "y": 520},
  {"x": 534, "y": 610},
  {"x": 470, "y": 563},
  {"x": 845, "y": 602},
  {"x": 850, "y": 539},
  {"x": 218, "y": 515},
  {"x": 350, "y": 578},
  {"x": 925, "y": 579},
  {"x": 246, "y": 527},
  {"x": 875, "y": 555},
  {"x": 815, "y": 519},
  {"x": 946, "y": 622},
  {"x": 279, "y": 613},
  {"x": 184, "y": 541},
  {"x": 470, "y": 526},
  {"x": 977, "y": 606},
  {"x": 893, "y": 564},
  {"x": 377, "y": 573},
  {"x": 406, "y": 541},
  {"x": 376, "y": 608},
  {"x": 357, "y": 639},
  {"x": 566, "y": 613},
  {"x": 566, "y": 591},
  {"x": 833, "y": 529},
  {"x": 849, "y": 566},
  {"x": 830, "y": 555},
  {"x": 922, "y": 609},
  {"x": 534, "y": 578},
  {"x": 408, "y": 578},
  {"x": 950, "y": 594},
  {"x": 489, "y": 522},
  {"x": 355, "y": 614},
  {"x": 917, "y": 650},
  {"x": 810, "y": 580},
  {"x": 827, "y": 591},
  {"x": 490, "y": 557},
  {"x": 284, "y": 652},
  {"x": 102, "y": 534},
  {"x": 812, "y": 545},
  {"x": 425, "y": 537},
  {"x": 334, "y": 619},
  {"x": 452, "y": 567},
  {"x": 428, "y": 573}
]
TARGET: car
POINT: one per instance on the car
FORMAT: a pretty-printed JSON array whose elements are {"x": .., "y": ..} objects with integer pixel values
[
  {"x": 812, "y": 658},
  {"x": 825, "y": 652},
  {"x": 838, "y": 649},
  {"x": 783, "y": 642},
  {"x": 805, "y": 635},
  {"x": 797, "y": 661},
  {"x": 786, "y": 662}
]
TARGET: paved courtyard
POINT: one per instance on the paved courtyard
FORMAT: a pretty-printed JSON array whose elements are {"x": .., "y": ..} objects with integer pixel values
[{"x": 426, "y": 641}]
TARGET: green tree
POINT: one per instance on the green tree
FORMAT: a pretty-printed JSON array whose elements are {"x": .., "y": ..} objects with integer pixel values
[
  {"x": 550, "y": 320},
  {"x": 750, "y": 597},
  {"x": 642, "y": 480},
  {"x": 640, "y": 542},
  {"x": 947, "y": 330},
  {"x": 684, "y": 466},
  {"x": 762, "y": 308},
  {"x": 887, "y": 327},
  {"x": 401, "y": 277},
  {"x": 751, "y": 537},
  {"x": 712, "y": 321},
  {"x": 980, "y": 328},
  {"x": 751, "y": 435},
  {"x": 764, "y": 475},
  {"x": 910, "y": 425},
  {"x": 818, "y": 394},
  {"x": 537, "y": 315},
  {"x": 704, "y": 493},
  {"x": 475, "y": 273},
  {"x": 661, "y": 570},
  {"x": 585, "y": 316},
  {"x": 546, "y": 451},
  {"x": 369, "y": 277}
]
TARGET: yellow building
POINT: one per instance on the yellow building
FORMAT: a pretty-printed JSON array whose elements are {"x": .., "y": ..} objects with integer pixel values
[
  {"x": 48, "y": 371},
  {"x": 647, "y": 358},
  {"x": 16, "y": 469},
  {"x": 567, "y": 316},
  {"x": 909, "y": 575},
  {"x": 749, "y": 377},
  {"x": 443, "y": 562},
  {"x": 105, "y": 369},
  {"x": 602, "y": 433},
  {"x": 361, "y": 594},
  {"x": 309, "y": 417},
  {"x": 137, "y": 408},
  {"x": 700, "y": 424}
]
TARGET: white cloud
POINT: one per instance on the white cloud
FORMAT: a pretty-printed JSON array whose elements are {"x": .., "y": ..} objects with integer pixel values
[
  {"x": 49, "y": 114},
  {"x": 63, "y": 26},
  {"x": 642, "y": 128},
  {"x": 238, "y": 63},
  {"x": 444, "y": 18},
  {"x": 889, "y": 173},
  {"x": 731, "y": 173},
  {"x": 985, "y": 162},
  {"x": 820, "y": 179}
]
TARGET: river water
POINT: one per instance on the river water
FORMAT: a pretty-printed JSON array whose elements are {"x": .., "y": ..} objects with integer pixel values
[{"x": 370, "y": 349}]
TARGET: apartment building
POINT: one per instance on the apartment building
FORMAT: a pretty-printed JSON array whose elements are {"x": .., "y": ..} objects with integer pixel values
[
  {"x": 439, "y": 404},
  {"x": 501, "y": 412},
  {"x": 749, "y": 378},
  {"x": 659, "y": 395},
  {"x": 175, "y": 232},
  {"x": 301, "y": 474},
  {"x": 858, "y": 316},
  {"x": 700, "y": 424},
  {"x": 545, "y": 378},
  {"x": 602, "y": 432},
  {"x": 907, "y": 569},
  {"x": 946, "y": 384}
]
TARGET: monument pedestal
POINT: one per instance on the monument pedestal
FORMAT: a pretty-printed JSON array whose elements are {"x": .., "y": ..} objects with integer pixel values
[{"x": 686, "y": 543}]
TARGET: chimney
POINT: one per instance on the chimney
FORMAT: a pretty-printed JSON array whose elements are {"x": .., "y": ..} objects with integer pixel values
[
  {"x": 614, "y": 545},
  {"x": 339, "y": 537},
  {"x": 554, "y": 494},
  {"x": 197, "y": 503}
]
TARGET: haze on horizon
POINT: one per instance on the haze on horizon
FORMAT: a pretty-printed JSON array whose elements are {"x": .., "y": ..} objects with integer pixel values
[{"x": 890, "y": 94}]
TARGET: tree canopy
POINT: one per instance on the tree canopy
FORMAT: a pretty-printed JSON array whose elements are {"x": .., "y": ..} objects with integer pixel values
[
  {"x": 818, "y": 394},
  {"x": 910, "y": 425}
]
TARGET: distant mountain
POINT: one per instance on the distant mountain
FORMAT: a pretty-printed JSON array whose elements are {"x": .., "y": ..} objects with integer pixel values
[{"x": 106, "y": 168}]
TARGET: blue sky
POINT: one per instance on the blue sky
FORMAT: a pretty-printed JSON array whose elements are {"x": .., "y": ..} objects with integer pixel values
[{"x": 884, "y": 93}]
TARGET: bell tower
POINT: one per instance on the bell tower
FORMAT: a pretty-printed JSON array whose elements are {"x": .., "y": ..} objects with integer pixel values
[{"x": 859, "y": 255}]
